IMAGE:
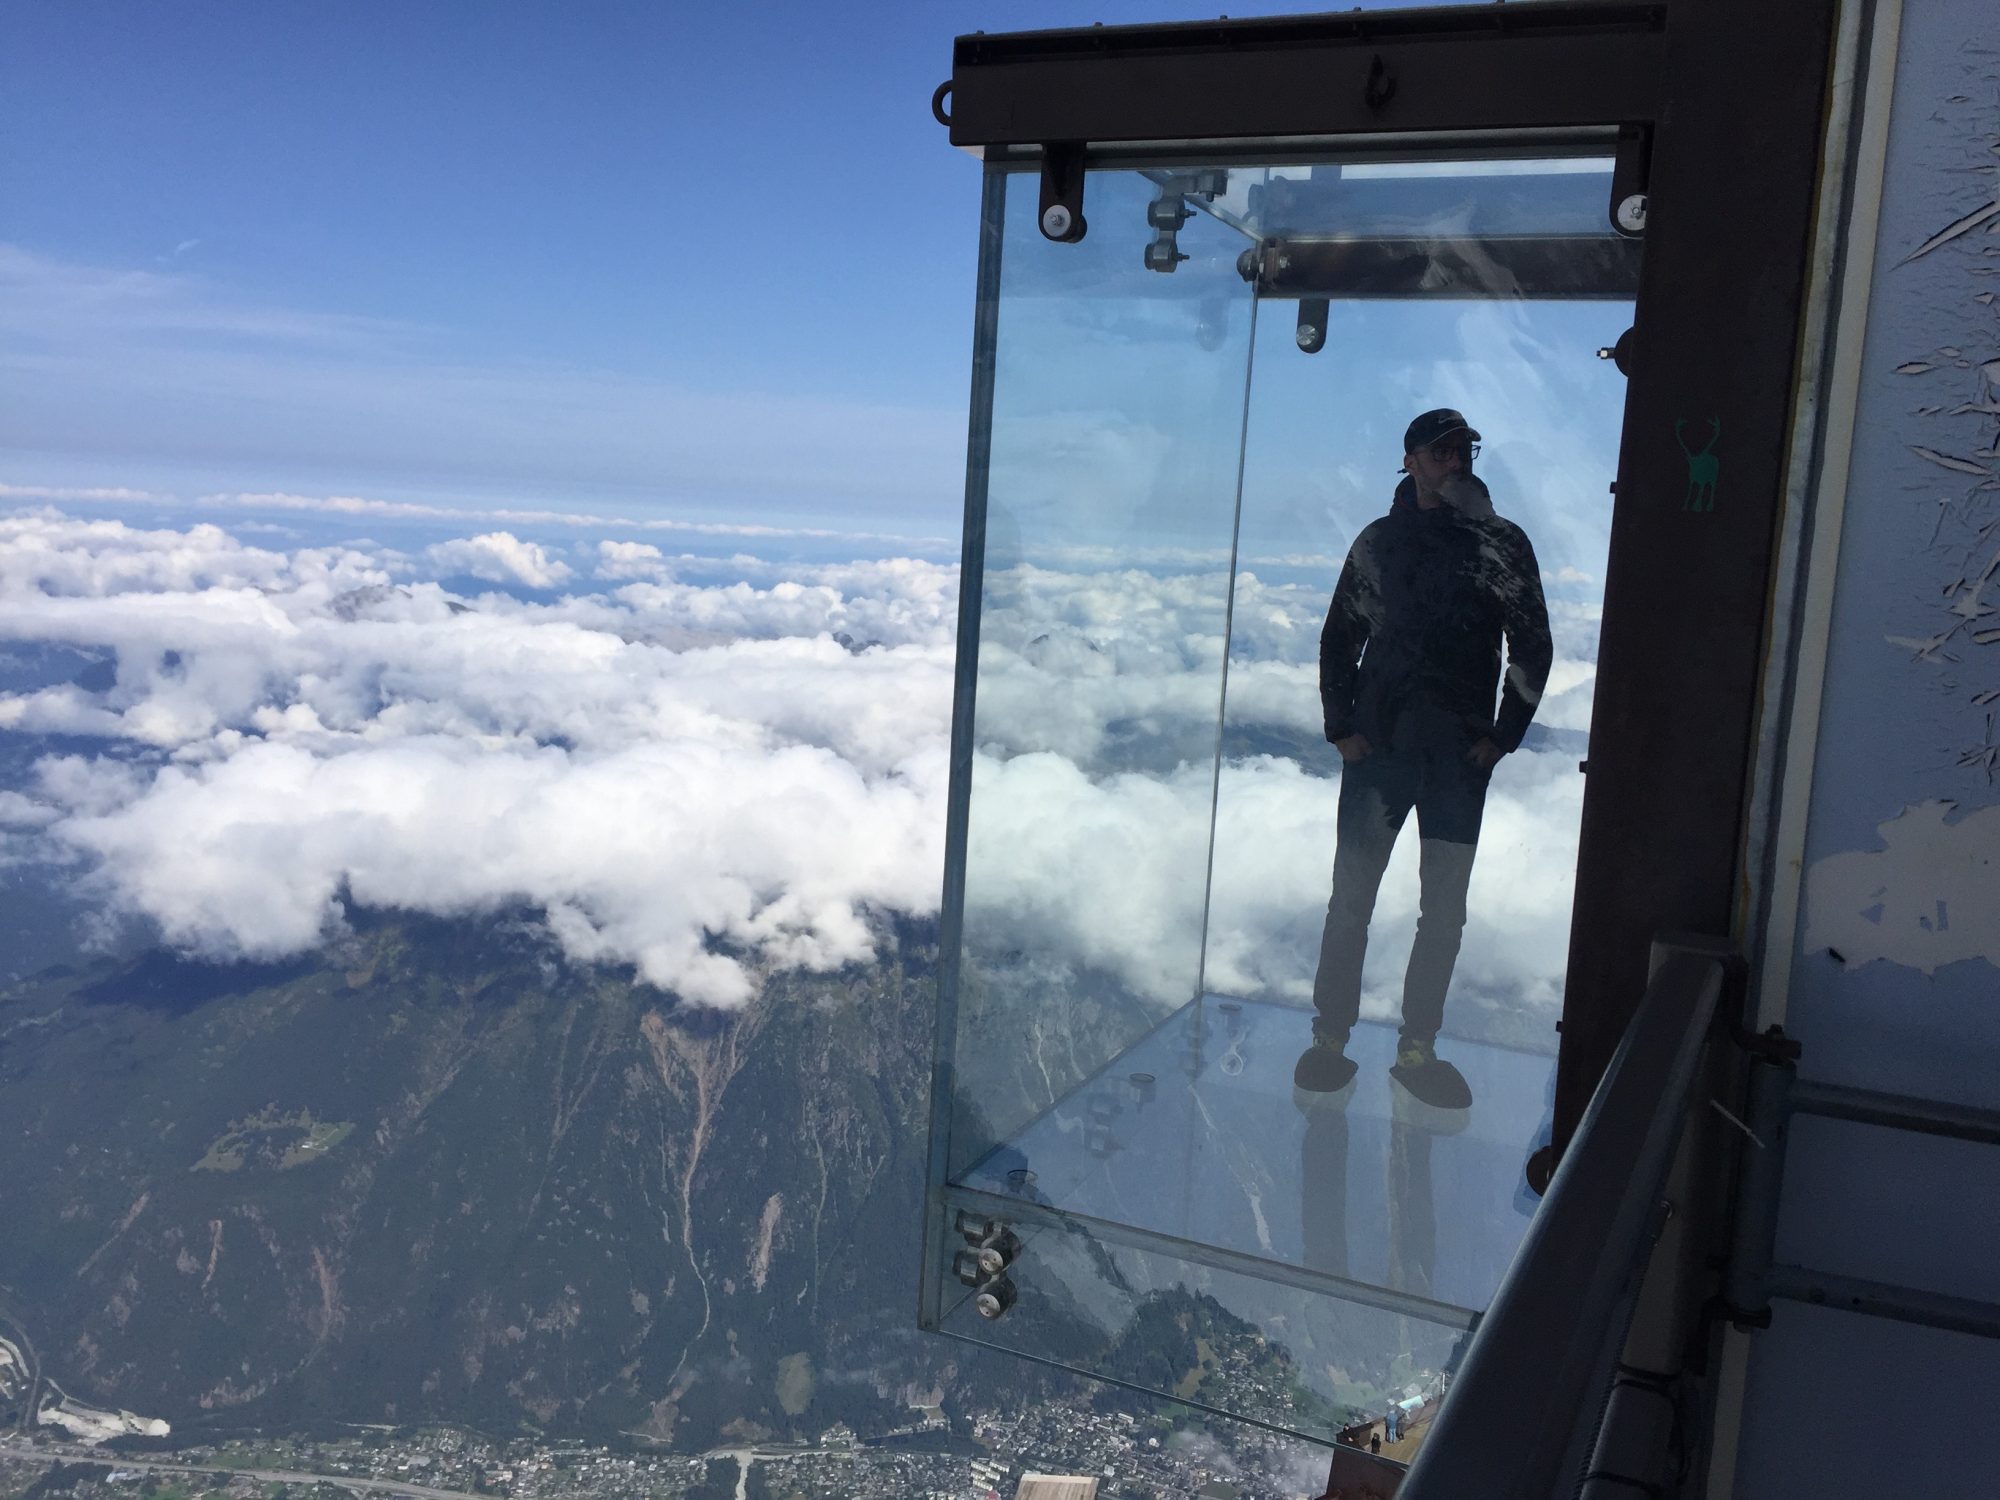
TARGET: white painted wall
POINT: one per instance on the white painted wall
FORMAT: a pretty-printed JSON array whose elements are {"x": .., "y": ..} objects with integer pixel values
[{"x": 1889, "y": 973}]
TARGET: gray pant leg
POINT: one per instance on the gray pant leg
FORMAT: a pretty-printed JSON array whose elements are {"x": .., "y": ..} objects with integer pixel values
[
  {"x": 1368, "y": 828},
  {"x": 1444, "y": 873}
]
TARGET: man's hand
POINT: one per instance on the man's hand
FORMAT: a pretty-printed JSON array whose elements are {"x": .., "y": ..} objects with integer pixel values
[
  {"x": 1484, "y": 753},
  {"x": 1354, "y": 747}
]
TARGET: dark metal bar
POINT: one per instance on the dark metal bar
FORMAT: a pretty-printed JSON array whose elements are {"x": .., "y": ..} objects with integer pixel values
[
  {"x": 1543, "y": 1353},
  {"x": 1571, "y": 267},
  {"x": 1880, "y": 1300},
  {"x": 1759, "y": 1182},
  {"x": 971, "y": 581},
  {"x": 1520, "y": 144},
  {"x": 1834, "y": 1101},
  {"x": 1482, "y": 67}
]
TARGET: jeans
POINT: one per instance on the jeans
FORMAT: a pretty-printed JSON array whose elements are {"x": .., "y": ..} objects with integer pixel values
[{"x": 1377, "y": 793}]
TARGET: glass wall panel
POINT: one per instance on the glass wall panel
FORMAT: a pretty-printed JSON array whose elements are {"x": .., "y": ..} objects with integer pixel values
[
  {"x": 1195, "y": 462},
  {"x": 1111, "y": 496},
  {"x": 1225, "y": 1336},
  {"x": 1323, "y": 464}
]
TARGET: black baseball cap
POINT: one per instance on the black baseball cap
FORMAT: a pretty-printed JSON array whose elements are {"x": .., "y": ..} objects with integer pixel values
[{"x": 1433, "y": 425}]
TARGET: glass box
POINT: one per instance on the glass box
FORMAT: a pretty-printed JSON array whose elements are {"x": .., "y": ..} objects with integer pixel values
[{"x": 1182, "y": 422}]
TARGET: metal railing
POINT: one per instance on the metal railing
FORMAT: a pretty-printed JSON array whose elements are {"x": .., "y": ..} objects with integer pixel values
[
  {"x": 1776, "y": 1095},
  {"x": 1522, "y": 1418}
]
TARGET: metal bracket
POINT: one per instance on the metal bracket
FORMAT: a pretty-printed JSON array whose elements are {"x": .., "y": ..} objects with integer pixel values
[
  {"x": 1770, "y": 1045},
  {"x": 1620, "y": 354},
  {"x": 1629, "y": 176},
  {"x": 1313, "y": 313},
  {"x": 991, "y": 1247},
  {"x": 1165, "y": 215},
  {"x": 1062, "y": 192}
]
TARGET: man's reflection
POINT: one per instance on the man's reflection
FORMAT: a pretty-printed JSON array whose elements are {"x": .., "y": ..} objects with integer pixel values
[
  {"x": 1411, "y": 1211},
  {"x": 1409, "y": 664},
  {"x": 1410, "y": 1202},
  {"x": 1323, "y": 1185}
]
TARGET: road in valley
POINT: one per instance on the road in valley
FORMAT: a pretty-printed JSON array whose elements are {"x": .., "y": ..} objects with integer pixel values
[{"x": 360, "y": 1484}]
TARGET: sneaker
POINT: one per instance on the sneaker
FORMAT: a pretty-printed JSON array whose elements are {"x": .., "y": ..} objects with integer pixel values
[
  {"x": 1324, "y": 1067},
  {"x": 1429, "y": 1077}
]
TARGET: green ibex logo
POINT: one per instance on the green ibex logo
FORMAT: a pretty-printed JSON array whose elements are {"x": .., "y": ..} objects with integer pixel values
[{"x": 1703, "y": 466}]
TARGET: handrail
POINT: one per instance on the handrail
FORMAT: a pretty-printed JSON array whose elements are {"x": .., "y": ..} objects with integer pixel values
[{"x": 1522, "y": 1414}]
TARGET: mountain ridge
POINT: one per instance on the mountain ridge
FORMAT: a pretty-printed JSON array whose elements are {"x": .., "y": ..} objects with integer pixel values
[{"x": 438, "y": 1172}]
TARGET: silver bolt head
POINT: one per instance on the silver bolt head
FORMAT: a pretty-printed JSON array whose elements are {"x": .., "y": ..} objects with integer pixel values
[
  {"x": 1057, "y": 221},
  {"x": 1632, "y": 214},
  {"x": 1308, "y": 335},
  {"x": 992, "y": 1301}
]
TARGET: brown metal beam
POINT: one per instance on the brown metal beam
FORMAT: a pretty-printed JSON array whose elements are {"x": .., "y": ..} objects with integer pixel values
[
  {"x": 1735, "y": 170},
  {"x": 1454, "y": 68}
]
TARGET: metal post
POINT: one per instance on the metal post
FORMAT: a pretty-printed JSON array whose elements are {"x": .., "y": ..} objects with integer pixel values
[{"x": 1745, "y": 1290}]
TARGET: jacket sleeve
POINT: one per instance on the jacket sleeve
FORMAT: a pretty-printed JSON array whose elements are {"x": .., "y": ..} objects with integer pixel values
[
  {"x": 1343, "y": 638},
  {"x": 1530, "y": 651}
]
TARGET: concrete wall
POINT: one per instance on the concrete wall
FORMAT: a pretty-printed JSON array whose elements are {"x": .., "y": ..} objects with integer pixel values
[{"x": 1894, "y": 961}]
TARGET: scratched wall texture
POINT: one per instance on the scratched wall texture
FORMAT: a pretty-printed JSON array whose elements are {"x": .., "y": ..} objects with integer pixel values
[
  {"x": 1898, "y": 980},
  {"x": 1896, "y": 983}
]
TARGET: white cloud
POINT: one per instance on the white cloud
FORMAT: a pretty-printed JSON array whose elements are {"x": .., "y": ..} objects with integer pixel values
[
  {"x": 61, "y": 492},
  {"x": 411, "y": 510},
  {"x": 45, "y": 553},
  {"x": 501, "y": 557},
  {"x": 652, "y": 855},
  {"x": 630, "y": 560}
]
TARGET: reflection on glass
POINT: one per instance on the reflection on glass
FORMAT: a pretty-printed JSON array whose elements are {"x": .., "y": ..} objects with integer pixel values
[
  {"x": 1216, "y": 1336},
  {"x": 1116, "y": 434},
  {"x": 1217, "y": 541}
]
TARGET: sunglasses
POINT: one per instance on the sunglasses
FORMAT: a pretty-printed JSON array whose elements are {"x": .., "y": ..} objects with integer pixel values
[{"x": 1444, "y": 450}]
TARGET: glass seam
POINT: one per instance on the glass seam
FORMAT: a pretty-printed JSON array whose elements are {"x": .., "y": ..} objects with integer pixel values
[{"x": 1228, "y": 632}]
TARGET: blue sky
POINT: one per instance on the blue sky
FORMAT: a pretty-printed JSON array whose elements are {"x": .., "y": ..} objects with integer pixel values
[{"x": 712, "y": 260}]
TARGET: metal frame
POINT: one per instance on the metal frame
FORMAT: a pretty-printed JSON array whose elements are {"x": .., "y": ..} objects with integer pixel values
[
  {"x": 1776, "y": 1094},
  {"x": 1449, "y": 68}
]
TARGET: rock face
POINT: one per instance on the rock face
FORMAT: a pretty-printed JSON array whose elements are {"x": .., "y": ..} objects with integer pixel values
[{"x": 437, "y": 1172}]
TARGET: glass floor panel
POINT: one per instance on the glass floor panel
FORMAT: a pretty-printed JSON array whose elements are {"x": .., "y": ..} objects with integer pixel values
[{"x": 1195, "y": 1132}]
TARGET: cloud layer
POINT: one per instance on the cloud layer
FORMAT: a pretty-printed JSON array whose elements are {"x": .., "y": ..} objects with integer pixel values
[
  {"x": 701, "y": 782},
  {"x": 706, "y": 780}
]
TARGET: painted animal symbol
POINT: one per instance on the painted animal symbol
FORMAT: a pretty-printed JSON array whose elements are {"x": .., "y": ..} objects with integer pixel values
[{"x": 1703, "y": 466}]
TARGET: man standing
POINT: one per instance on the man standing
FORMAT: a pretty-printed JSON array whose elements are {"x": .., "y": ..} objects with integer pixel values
[{"x": 1409, "y": 661}]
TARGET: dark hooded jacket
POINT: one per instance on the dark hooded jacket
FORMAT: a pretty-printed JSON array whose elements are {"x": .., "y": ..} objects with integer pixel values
[{"x": 1411, "y": 648}]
